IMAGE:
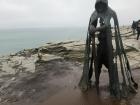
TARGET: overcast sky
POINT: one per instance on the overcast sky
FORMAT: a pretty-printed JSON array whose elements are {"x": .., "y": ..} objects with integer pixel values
[{"x": 60, "y": 13}]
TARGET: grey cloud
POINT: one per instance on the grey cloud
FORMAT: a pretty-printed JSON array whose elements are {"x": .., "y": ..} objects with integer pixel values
[{"x": 60, "y": 13}]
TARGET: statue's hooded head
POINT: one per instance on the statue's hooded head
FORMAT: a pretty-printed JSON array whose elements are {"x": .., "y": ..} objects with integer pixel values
[{"x": 101, "y": 5}]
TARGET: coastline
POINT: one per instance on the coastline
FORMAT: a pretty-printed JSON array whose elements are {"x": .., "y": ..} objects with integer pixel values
[
  {"x": 69, "y": 50},
  {"x": 34, "y": 75}
]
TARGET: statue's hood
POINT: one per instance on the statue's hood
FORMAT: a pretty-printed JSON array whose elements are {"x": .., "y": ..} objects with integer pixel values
[{"x": 105, "y": 2}]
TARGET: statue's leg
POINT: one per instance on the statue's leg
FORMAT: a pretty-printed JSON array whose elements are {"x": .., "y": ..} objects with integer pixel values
[
  {"x": 98, "y": 68},
  {"x": 108, "y": 62},
  {"x": 113, "y": 77},
  {"x": 98, "y": 72},
  {"x": 97, "y": 76},
  {"x": 91, "y": 69}
]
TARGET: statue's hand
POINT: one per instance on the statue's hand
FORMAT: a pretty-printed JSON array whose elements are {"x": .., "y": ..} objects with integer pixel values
[
  {"x": 92, "y": 29},
  {"x": 101, "y": 28}
]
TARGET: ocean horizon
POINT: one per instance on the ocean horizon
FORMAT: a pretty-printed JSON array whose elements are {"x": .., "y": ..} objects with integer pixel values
[{"x": 14, "y": 40}]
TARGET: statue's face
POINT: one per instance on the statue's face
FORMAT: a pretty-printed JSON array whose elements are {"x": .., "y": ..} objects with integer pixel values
[{"x": 101, "y": 7}]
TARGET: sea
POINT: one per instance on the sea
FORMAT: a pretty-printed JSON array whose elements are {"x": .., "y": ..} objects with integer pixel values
[{"x": 14, "y": 40}]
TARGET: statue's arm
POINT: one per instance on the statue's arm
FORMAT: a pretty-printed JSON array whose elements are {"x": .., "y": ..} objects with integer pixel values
[
  {"x": 116, "y": 23},
  {"x": 93, "y": 24},
  {"x": 115, "y": 18}
]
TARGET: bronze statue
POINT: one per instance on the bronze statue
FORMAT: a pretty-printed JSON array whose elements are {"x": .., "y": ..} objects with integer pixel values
[{"x": 104, "y": 54}]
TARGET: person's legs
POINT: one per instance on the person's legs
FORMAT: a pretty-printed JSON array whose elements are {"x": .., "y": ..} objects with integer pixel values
[
  {"x": 138, "y": 35},
  {"x": 133, "y": 31}
]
